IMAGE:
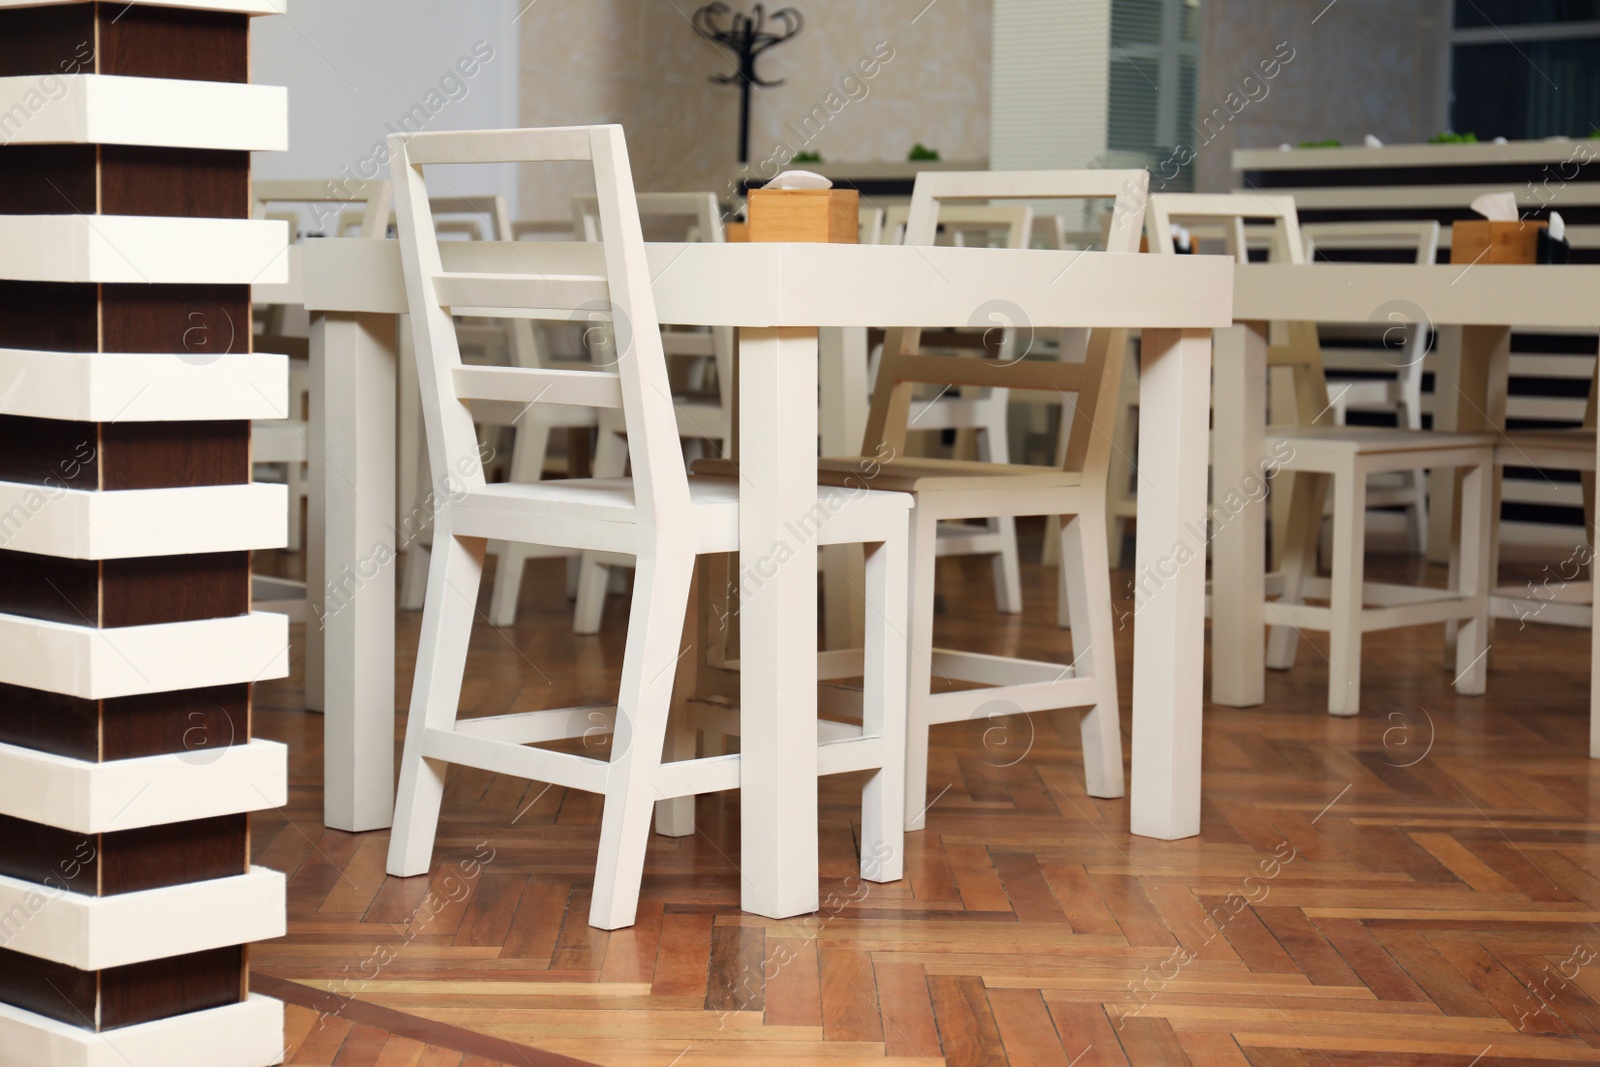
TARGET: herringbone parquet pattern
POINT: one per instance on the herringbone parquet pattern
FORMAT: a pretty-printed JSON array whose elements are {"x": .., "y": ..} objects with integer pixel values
[{"x": 1420, "y": 885}]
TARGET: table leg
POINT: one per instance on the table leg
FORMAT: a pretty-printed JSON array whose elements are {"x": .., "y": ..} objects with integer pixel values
[
  {"x": 1446, "y": 412},
  {"x": 354, "y": 361},
  {"x": 316, "y": 526},
  {"x": 1238, "y": 551},
  {"x": 1170, "y": 572},
  {"x": 778, "y": 622},
  {"x": 1470, "y": 391},
  {"x": 843, "y": 357}
]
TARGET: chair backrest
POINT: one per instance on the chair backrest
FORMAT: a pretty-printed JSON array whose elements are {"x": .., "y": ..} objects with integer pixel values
[
  {"x": 1231, "y": 211},
  {"x": 368, "y": 201},
  {"x": 621, "y": 294},
  {"x": 1354, "y": 240},
  {"x": 699, "y": 214},
  {"x": 964, "y": 225},
  {"x": 1301, "y": 352},
  {"x": 869, "y": 225},
  {"x": 1091, "y": 383}
]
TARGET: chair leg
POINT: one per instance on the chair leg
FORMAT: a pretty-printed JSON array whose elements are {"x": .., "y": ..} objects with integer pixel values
[
  {"x": 994, "y": 448},
  {"x": 1417, "y": 512},
  {"x": 610, "y": 461},
  {"x": 919, "y": 666},
  {"x": 1299, "y": 557},
  {"x": 675, "y": 815},
  {"x": 1007, "y": 569},
  {"x": 660, "y": 599},
  {"x": 1475, "y": 579},
  {"x": 1087, "y": 572},
  {"x": 418, "y": 526},
  {"x": 527, "y": 465},
  {"x": 1349, "y": 565},
  {"x": 295, "y": 477},
  {"x": 883, "y": 797},
  {"x": 454, "y": 574}
]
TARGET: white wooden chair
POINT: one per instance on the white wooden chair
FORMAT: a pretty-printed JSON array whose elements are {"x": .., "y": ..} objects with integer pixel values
[
  {"x": 1318, "y": 452},
  {"x": 660, "y": 516},
  {"x": 1398, "y": 391},
  {"x": 947, "y": 489},
  {"x": 702, "y": 398}
]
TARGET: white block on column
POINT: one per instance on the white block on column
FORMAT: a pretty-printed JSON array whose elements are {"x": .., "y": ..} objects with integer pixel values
[
  {"x": 94, "y": 933},
  {"x": 91, "y": 798},
  {"x": 159, "y": 112},
  {"x": 130, "y": 523},
  {"x": 96, "y": 664},
  {"x": 248, "y": 1034},
  {"x": 148, "y": 387},
  {"x": 143, "y": 250}
]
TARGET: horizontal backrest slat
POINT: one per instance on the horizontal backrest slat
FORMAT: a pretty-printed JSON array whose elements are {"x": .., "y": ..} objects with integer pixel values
[
  {"x": 579, "y": 388},
  {"x": 555, "y": 292},
  {"x": 500, "y": 146},
  {"x": 1038, "y": 374}
]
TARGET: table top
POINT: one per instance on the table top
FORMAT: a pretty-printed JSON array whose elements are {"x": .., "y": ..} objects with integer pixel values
[
  {"x": 1442, "y": 294},
  {"x": 822, "y": 285}
]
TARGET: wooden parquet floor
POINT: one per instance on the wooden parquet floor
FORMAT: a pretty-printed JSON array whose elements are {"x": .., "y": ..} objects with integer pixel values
[{"x": 1420, "y": 885}]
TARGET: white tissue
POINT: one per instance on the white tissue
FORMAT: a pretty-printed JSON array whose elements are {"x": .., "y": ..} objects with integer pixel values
[
  {"x": 1372, "y": 142},
  {"x": 800, "y": 179},
  {"x": 1497, "y": 207},
  {"x": 1558, "y": 226},
  {"x": 1499, "y": 140},
  {"x": 1286, "y": 148}
]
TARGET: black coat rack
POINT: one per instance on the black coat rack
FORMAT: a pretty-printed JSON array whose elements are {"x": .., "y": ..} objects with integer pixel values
[{"x": 746, "y": 37}]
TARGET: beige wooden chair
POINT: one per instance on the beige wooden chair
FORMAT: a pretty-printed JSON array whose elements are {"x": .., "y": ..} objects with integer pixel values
[
  {"x": 979, "y": 416},
  {"x": 1319, "y": 452},
  {"x": 659, "y": 515},
  {"x": 955, "y": 489}
]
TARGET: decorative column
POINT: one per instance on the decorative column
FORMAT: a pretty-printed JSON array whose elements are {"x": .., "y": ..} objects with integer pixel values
[{"x": 127, "y": 519}]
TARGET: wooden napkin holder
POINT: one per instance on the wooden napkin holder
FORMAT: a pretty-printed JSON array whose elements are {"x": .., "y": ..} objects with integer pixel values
[
  {"x": 1485, "y": 241},
  {"x": 821, "y": 216}
]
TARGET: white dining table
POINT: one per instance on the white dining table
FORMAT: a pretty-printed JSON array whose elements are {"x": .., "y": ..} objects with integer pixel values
[
  {"x": 1473, "y": 308},
  {"x": 780, "y": 296}
]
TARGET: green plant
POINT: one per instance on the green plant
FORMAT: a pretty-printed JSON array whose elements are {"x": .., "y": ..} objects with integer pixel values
[
  {"x": 1594, "y": 135},
  {"x": 807, "y": 157},
  {"x": 1448, "y": 137},
  {"x": 921, "y": 153},
  {"x": 1331, "y": 142}
]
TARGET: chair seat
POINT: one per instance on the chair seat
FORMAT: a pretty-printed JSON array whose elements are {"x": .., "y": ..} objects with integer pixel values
[
  {"x": 1574, "y": 440},
  {"x": 917, "y": 474},
  {"x": 1373, "y": 440},
  {"x": 850, "y": 515},
  {"x": 1570, "y": 450}
]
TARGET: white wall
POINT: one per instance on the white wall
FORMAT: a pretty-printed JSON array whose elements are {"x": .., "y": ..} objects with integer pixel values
[{"x": 355, "y": 68}]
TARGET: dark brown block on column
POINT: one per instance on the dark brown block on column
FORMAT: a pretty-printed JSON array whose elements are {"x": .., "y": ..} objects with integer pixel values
[
  {"x": 123, "y": 996},
  {"x": 135, "y": 40},
  {"x": 127, "y": 861},
  {"x": 98, "y": 731}
]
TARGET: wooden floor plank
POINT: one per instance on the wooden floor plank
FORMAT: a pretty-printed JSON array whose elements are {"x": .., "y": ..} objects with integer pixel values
[{"x": 1427, "y": 898}]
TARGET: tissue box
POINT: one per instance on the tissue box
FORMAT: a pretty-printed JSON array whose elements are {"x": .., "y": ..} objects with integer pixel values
[
  {"x": 827, "y": 216},
  {"x": 1483, "y": 241}
]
